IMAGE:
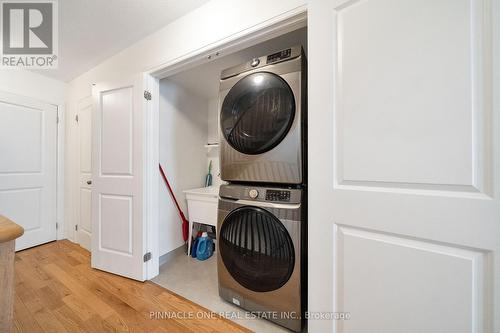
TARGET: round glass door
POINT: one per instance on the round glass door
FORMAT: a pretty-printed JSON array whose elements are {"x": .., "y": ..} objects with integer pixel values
[
  {"x": 256, "y": 249},
  {"x": 257, "y": 113}
]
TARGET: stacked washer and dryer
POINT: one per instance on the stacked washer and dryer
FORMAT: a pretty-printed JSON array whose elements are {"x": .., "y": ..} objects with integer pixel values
[{"x": 262, "y": 211}]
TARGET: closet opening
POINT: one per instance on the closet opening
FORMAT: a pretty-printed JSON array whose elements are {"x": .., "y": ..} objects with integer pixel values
[{"x": 189, "y": 132}]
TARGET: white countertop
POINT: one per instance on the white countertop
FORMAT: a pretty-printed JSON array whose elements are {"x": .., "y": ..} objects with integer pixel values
[{"x": 211, "y": 191}]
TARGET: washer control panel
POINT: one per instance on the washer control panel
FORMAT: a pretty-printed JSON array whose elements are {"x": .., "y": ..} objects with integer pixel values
[{"x": 278, "y": 195}]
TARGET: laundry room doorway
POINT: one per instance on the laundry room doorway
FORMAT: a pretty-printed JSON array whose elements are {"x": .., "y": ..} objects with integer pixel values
[{"x": 187, "y": 112}]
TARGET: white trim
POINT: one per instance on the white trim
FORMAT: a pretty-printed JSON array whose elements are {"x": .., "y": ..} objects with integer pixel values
[
  {"x": 274, "y": 27},
  {"x": 151, "y": 188},
  {"x": 74, "y": 177},
  {"x": 73, "y": 172},
  {"x": 60, "y": 202}
]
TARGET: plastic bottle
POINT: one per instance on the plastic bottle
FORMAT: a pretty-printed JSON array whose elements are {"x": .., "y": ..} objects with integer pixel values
[
  {"x": 194, "y": 245},
  {"x": 204, "y": 249}
]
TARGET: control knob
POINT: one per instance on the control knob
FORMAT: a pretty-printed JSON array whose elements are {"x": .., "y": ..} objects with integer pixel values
[
  {"x": 255, "y": 62},
  {"x": 253, "y": 193}
]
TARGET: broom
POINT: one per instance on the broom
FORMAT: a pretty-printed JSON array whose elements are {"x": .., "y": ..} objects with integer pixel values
[{"x": 185, "y": 223}]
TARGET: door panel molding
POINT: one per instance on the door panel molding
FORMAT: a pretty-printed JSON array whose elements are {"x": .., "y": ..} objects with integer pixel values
[
  {"x": 117, "y": 148},
  {"x": 109, "y": 239},
  {"x": 388, "y": 156},
  {"x": 387, "y": 254},
  {"x": 29, "y": 149}
]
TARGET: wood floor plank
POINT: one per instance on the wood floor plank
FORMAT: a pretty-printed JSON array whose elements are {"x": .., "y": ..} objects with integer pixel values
[
  {"x": 77, "y": 289},
  {"x": 69, "y": 319},
  {"x": 23, "y": 319},
  {"x": 58, "y": 291},
  {"x": 28, "y": 274},
  {"x": 79, "y": 308},
  {"x": 50, "y": 298},
  {"x": 48, "y": 321}
]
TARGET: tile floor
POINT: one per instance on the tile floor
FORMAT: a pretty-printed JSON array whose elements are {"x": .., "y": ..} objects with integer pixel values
[{"x": 197, "y": 281}]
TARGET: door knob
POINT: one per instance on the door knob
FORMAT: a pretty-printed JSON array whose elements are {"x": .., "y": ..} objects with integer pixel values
[{"x": 89, "y": 182}]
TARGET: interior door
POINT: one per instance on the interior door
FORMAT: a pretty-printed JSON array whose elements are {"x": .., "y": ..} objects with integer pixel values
[
  {"x": 118, "y": 225},
  {"x": 28, "y": 167},
  {"x": 84, "y": 123},
  {"x": 404, "y": 213}
]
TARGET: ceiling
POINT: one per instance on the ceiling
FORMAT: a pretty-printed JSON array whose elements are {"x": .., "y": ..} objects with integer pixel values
[
  {"x": 92, "y": 30},
  {"x": 203, "y": 80}
]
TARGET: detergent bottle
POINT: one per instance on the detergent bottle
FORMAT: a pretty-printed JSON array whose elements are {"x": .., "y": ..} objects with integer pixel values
[
  {"x": 204, "y": 248},
  {"x": 194, "y": 244}
]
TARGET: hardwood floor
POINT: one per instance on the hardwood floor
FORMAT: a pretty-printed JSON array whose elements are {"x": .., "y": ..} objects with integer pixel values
[{"x": 57, "y": 291}]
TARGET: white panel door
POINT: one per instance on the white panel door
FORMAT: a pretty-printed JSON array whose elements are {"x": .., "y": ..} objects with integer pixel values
[
  {"x": 404, "y": 123},
  {"x": 28, "y": 167},
  {"x": 84, "y": 123},
  {"x": 119, "y": 238}
]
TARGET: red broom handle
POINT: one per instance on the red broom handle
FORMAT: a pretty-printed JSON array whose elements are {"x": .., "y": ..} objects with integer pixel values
[{"x": 172, "y": 194}]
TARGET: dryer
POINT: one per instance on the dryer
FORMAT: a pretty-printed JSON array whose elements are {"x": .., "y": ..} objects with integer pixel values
[
  {"x": 263, "y": 119},
  {"x": 261, "y": 235}
]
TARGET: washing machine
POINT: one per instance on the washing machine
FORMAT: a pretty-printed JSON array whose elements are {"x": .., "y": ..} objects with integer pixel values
[
  {"x": 263, "y": 119},
  {"x": 261, "y": 237}
]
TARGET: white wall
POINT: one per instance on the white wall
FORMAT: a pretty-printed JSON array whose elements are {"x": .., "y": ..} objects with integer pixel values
[
  {"x": 213, "y": 119},
  {"x": 26, "y": 83},
  {"x": 212, "y": 24},
  {"x": 213, "y": 137},
  {"x": 183, "y": 135}
]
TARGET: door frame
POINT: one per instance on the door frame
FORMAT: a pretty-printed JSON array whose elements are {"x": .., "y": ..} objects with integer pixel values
[
  {"x": 87, "y": 100},
  {"x": 61, "y": 204},
  {"x": 279, "y": 25}
]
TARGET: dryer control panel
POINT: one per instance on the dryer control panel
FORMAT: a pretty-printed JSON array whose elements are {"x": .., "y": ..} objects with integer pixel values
[
  {"x": 263, "y": 61},
  {"x": 261, "y": 194},
  {"x": 278, "y": 195},
  {"x": 278, "y": 56}
]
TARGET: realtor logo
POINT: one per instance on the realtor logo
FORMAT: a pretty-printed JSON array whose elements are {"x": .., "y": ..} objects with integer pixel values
[{"x": 29, "y": 34}]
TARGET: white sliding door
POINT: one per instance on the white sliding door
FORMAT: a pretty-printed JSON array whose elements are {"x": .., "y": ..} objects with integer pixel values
[
  {"x": 28, "y": 167},
  {"x": 404, "y": 123},
  {"x": 119, "y": 227}
]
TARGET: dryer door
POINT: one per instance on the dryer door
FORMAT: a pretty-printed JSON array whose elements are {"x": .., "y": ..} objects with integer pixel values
[
  {"x": 257, "y": 113},
  {"x": 256, "y": 249}
]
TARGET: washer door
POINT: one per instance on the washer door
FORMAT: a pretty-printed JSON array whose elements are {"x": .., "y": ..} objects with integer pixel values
[
  {"x": 257, "y": 113},
  {"x": 256, "y": 249}
]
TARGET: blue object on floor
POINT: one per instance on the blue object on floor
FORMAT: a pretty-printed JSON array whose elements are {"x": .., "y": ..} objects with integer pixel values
[
  {"x": 194, "y": 247},
  {"x": 204, "y": 249}
]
